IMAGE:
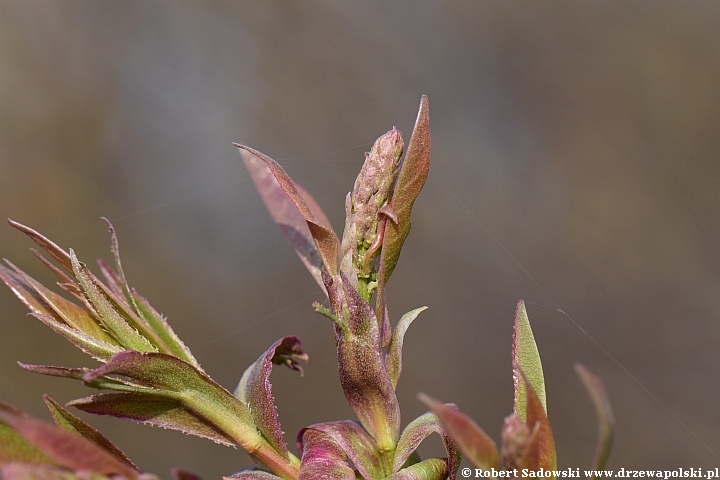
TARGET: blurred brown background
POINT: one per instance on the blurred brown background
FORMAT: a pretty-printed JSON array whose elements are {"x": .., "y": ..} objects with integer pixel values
[{"x": 583, "y": 136}]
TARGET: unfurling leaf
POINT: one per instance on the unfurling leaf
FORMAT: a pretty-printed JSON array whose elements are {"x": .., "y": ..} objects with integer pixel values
[
  {"x": 255, "y": 390},
  {"x": 113, "y": 317}
]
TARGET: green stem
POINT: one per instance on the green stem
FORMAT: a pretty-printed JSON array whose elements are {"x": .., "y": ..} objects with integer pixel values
[
  {"x": 258, "y": 448},
  {"x": 235, "y": 422}
]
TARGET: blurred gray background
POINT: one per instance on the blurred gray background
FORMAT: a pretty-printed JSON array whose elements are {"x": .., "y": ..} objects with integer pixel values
[{"x": 575, "y": 165}]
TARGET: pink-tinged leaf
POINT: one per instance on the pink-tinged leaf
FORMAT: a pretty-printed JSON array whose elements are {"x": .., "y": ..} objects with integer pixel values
[
  {"x": 171, "y": 384},
  {"x": 323, "y": 458},
  {"x": 355, "y": 443},
  {"x": 474, "y": 443},
  {"x": 525, "y": 357},
  {"x": 101, "y": 383},
  {"x": 14, "y": 447},
  {"x": 412, "y": 176},
  {"x": 25, "y": 292},
  {"x": 64, "y": 310},
  {"x": 253, "y": 475},
  {"x": 606, "y": 419},
  {"x": 430, "y": 469},
  {"x": 417, "y": 431},
  {"x": 63, "y": 372},
  {"x": 541, "y": 450},
  {"x": 98, "y": 349},
  {"x": 29, "y": 471},
  {"x": 255, "y": 390},
  {"x": 363, "y": 373},
  {"x": 394, "y": 359},
  {"x": 60, "y": 255},
  {"x": 156, "y": 410},
  {"x": 67, "y": 449},
  {"x": 66, "y": 283},
  {"x": 71, "y": 423},
  {"x": 321, "y": 233}
]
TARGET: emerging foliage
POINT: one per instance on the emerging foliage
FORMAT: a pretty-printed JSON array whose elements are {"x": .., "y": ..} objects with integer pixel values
[
  {"x": 527, "y": 439},
  {"x": 147, "y": 374}
]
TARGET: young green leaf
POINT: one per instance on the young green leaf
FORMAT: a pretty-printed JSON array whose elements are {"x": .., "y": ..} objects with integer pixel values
[
  {"x": 158, "y": 324},
  {"x": 178, "y": 384},
  {"x": 78, "y": 374},
  {"x": 124, "y": 333},
  {"x": 154, "y": 409},
  {"x": 526, "y": 357},
  {"x": 430, "y": 469},
  {"x": 137, "y": 308},
  {"x": 98, "y": 349},
  {"x": 394, "y": 358}
]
